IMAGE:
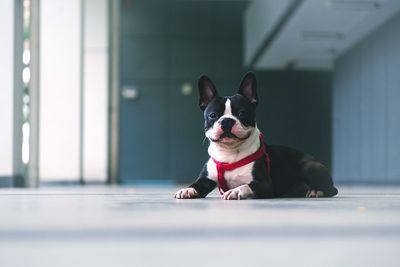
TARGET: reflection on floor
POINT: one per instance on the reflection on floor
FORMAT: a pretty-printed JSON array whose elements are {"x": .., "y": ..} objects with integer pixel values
[{"x": 123, "y": 226}]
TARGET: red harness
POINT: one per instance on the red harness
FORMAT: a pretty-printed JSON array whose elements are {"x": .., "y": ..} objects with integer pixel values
[{"x": 222, "y": 167}]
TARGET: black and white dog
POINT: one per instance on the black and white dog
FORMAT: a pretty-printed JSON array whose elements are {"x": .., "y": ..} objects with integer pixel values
[{"x": 241, "y": 164}]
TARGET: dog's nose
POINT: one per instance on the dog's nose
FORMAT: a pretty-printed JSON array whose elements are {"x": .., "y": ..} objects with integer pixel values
[{"x": 227, "y": 124}]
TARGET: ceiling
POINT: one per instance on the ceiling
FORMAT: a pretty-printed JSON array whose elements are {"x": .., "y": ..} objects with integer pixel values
[{"x": 314, "y": 34}]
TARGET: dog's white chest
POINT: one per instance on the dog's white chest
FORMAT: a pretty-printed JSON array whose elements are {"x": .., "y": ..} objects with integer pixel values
[{"x": 234, "y": 178}]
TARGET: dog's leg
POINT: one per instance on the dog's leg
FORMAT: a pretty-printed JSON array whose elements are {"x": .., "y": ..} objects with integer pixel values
[
  {"x": 262, "y": 187},
  {"x": 238, "y": 193},
  {"x": 299, "y": 189},
  {"x": 187, "y": 193},
  {"x": 200, "y": 188},
  {"x": 318, "y": 178}
]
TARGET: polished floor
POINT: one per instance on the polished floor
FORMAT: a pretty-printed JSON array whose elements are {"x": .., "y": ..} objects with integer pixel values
[{"x": 145, "y": 226}]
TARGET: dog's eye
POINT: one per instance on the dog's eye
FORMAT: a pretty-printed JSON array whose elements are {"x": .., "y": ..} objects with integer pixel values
[
  {"x": 242, "y": 114},
  {"x": 212, "y": 115}
]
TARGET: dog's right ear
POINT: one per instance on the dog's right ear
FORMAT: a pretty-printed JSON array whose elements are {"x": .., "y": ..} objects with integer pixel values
[{"x": 207, "y": 91}]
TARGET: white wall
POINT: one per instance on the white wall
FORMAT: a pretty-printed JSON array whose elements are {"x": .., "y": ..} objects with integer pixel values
[
  {"x": 60, "y": 36},
  {"x": 95, "y": 90},
  {"x": 61, "y": 53},
  {"x": 6, "y": 86}
]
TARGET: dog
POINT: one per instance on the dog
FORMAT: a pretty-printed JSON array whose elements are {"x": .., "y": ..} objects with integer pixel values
[{"x": 241, "y": 164}]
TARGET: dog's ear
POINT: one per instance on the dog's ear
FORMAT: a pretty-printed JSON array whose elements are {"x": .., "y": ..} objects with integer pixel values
[
  {"x": 248, "y": 87},
  {"x": 207, "y": 91}
]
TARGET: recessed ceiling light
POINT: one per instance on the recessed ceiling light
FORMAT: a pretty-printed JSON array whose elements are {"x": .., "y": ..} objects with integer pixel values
[
  {"x": 356, "y": 5},
  {"x": 323, "y": 35}
]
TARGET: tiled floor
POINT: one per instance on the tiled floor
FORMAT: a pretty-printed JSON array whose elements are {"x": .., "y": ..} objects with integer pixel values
[{"x": 120, "y": 226}]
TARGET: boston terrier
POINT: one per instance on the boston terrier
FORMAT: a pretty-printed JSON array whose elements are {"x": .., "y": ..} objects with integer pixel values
[{"x": 241, "y": 164}]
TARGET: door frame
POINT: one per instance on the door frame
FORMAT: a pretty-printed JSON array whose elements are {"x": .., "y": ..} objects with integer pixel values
[{"x": 113, "y": 113}]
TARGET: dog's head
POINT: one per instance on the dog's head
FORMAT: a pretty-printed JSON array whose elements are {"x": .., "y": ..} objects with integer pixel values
[{"x": 229, "y": 120}]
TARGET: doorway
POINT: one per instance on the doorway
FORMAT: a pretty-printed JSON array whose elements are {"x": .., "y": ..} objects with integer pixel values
[{"x": 164, "y": 47}]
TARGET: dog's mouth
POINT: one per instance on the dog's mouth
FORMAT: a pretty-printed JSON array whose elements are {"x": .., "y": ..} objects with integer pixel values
[{"x": 228, "y": 136}]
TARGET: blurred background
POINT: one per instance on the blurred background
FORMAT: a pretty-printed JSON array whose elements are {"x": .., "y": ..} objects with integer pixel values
[{"x": 105, "y": 92}]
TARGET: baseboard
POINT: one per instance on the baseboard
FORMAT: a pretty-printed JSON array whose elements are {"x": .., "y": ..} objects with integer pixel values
[
  {"x": 12, "y": 181},
  {"x": 376, "y": 183},
  {"x": 6, "y": 181},
  {"x": 147, "y": 182}
]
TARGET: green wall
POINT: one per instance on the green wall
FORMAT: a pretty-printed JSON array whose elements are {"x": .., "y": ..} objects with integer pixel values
[
  {"x": 295, "y": 110},
  {"x": 167, "y": 44}
]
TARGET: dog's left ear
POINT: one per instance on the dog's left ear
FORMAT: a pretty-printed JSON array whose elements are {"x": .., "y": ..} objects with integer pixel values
[{"x": 248, "y": 87}]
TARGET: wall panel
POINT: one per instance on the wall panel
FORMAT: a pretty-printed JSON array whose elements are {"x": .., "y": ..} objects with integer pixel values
[
  {"x": 60, "y": 76},
  {"x": 366, "y": 109},
  {"x": 6, "y": 90},
  {"x": 95, "y": 88}
]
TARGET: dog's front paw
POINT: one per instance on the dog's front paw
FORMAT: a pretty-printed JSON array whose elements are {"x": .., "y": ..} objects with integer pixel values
[
  {"x": 187, "y": 193},
  {"x": 238, "y": 193}
]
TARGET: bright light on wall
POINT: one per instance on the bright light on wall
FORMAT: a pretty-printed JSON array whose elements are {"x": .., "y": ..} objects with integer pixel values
[
  {"x": 26, "y": 75},
  {"x": 26, "y": 57},
  {"x": 25, "y": 142},
  {"x": 26, "y": 78}
]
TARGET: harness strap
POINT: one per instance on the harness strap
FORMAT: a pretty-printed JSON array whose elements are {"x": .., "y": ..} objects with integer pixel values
[{"x": 222, "y": 167}]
